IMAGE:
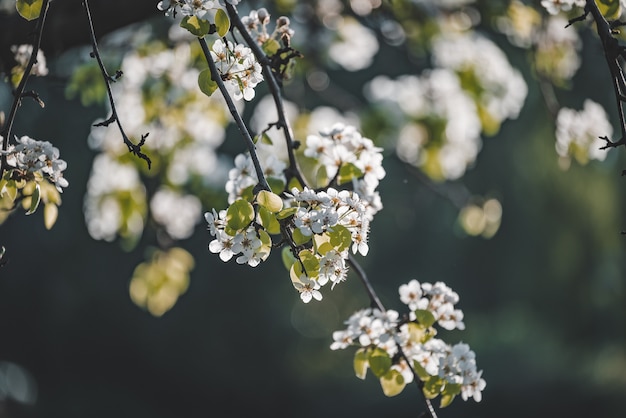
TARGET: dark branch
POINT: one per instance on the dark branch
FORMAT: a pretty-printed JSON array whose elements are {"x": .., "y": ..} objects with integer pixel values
[
  {"x": 19, "y": 92},
  {"x": 134, "y": 149}
]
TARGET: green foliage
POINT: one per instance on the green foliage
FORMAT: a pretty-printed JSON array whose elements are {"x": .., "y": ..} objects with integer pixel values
[
  {"x": 222, "y": 22},
  {"x": 197, "y": 27},
  {"x": 239, "y": 215},
  {"x": 87, "y": 83},
  {"x": 29, "y": 9},
  {"x": 206, "y": 83}
]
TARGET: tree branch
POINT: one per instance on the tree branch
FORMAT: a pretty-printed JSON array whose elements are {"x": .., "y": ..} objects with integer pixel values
[
  {"x": 19, "y": 92},
  {"x": 268, "y": 74},
  {"x": 135, "y": 149}
]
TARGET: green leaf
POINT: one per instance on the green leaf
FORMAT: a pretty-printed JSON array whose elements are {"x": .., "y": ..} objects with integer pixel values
[
  {"x": 206, "y": 83},
  {"x": 448, "y": 394},
  {"x": 425, "y": 317},
  {"x": 50, "y": 214},
  {"x": 392, "y": 383},
  {"x": 433, "y": 386},
  {"x": 379, "y": 361},
  {"x": 35, "y": 198},
  {"x": 197, "y": 27},
  {"x": 340, "y": 237},
  {"x": 420, "y": 370},
  {"x": 268, "y": 220},
  {"x": 610, "y": 9},
  {"x": 299, "y": 238},
  {"x": 11, "y": 189},
  {"x": 271, "y": 46},
  {"x": 269, "y": 200},
  {"x": 348, "y": 172},
  {"x": 288, "y": 257},
  {"x": 239, "y": 215},
  {"x": 310, "y": 263},
  {"x": 360, "y": 363},
  {"x": 285, "y": 213},
  {"x": 29, "y": 9},
  {"x": 222, "y": 22},
  {"x": 276, "y": 184}
]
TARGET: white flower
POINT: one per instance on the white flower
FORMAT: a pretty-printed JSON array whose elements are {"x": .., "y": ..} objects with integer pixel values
[
  {"x": 197, "y": 8},
  {"x": 308, "y": 288}
]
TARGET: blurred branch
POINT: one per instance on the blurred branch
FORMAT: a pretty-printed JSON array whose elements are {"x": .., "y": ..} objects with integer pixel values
[
  {"x": 19, "y": 91},
  {"x": 133, "y": 148}
]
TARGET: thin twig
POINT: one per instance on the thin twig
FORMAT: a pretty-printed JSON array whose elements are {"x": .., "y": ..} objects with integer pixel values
[
  {"x": 268, "y": 74},
  {"x": 135, "y": 149},
  {"x": 215, "y": 75},
  {"x": 19, "y": 92}
]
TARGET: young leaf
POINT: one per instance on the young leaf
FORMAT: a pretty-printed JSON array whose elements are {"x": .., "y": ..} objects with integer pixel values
[
  {"x": 392, "y": 383},
  {"x": 197, "y": 27},
  {"x": 448, "y": 394},
  {"x": 35, "y": 198},
  {"x": 340, "y": 237},
  {"x": 268, "y": 220},
  {"x": 239, "y": 215},
  {"x": 360, "y": 363},
  {"x": 299, "y": 238},
  {"x": 222, "y": 22},
  {"x": 270, "y": 47},
  {"x": 206, "y": 83},
  {"x": 310, "y": 263},
  {"x": 50, "y": 213},
  {"x": 379, "y": 361},
  {"x": 29, "y": 9},
  {"x": 269, "y": 200},
  {"x": 425, "y": 317},
  {"x": 288, "y": 258},
  {"x": 348, "y": 172}
]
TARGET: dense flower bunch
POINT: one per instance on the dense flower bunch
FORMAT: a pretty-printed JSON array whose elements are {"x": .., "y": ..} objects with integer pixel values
[
  {"x": 397, "y": 348},
  {"x": 32, "y": 158},
  {"x": 579, "y": 133},
  {"x": 238, "y": 68},
  {"x": 323, "y": 226},
  {"x": 33, "y": 174}
]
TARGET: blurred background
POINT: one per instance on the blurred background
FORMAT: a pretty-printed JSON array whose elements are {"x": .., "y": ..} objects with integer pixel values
[{"x": 542, "y": 289}]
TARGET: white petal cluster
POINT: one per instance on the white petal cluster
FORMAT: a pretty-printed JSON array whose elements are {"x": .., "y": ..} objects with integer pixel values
[
  {"x": 115, "y": 200},
  {"x": 243, "y": 176},
  {"x": 578, "y": 132},
  {"x": 246, "y": 245},
  {"x": 502, "y": 87},
  {"x": 433, "y": 99},
  {"x": 341, "y": 144},
  {"x": 437, "y": 298},
  {"x": 387, "y": 330},
  {"x": 238, "y": 68},
  {"x": 32, "y": 156},
  {"x": 321, "y": 211},
  {"x": 177, "y": 213},
  {"x": 355, "y": 47},
  {"x": 557, "y": 6},
  {"x": 22, "y": 54}
]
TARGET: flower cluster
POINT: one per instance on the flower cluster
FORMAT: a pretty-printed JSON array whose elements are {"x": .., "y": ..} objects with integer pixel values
[
  {"x": 556, "y": 6},
  {"x": 250, "y": 246},
  {"x": 257, "y": 22},
  {"x": 444, "y": 369},
  {"x": 36, "y": 158},
  {"x": 344, "y": 153},
  {"x": 578, "y": 133},
  {"x": 238, "y": 68},
  {"x": 22, "y": 56}
]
